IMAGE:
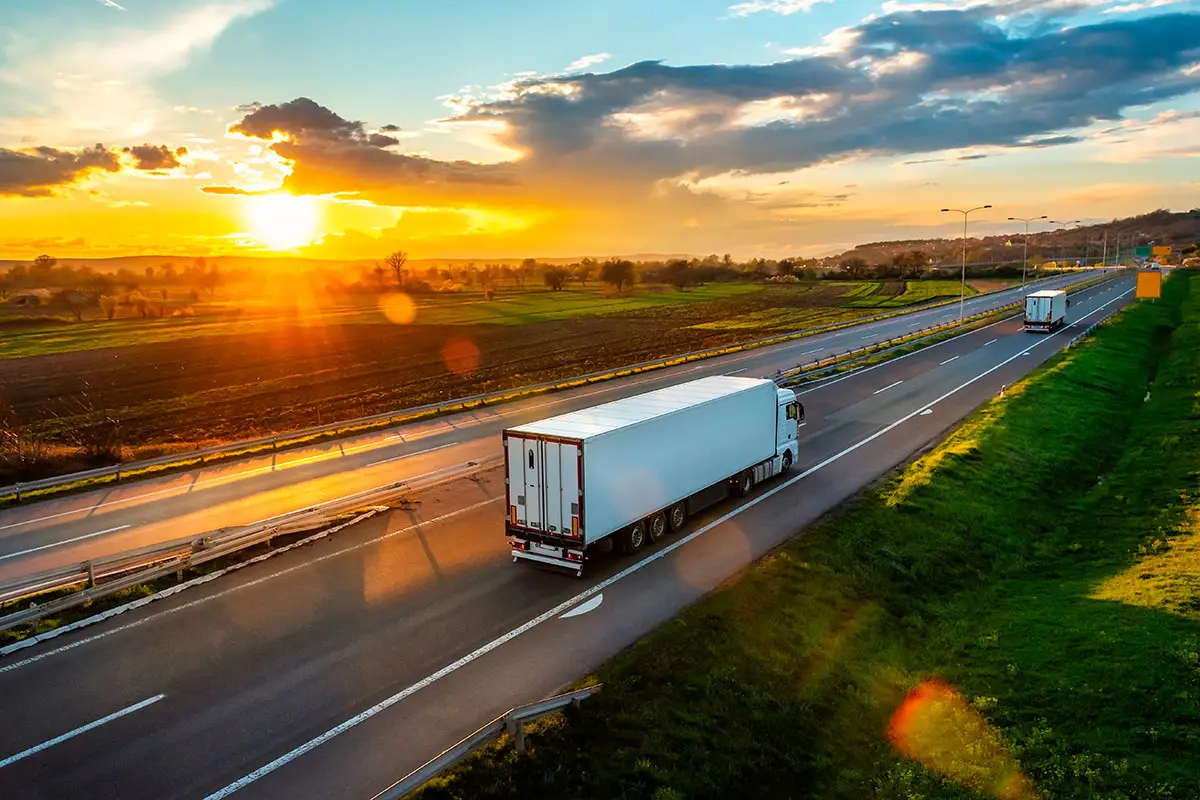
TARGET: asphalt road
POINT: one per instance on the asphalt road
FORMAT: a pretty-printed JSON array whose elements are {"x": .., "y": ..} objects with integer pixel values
[
  {"x": 70, "y": 530},
  {"x": 332, "y": 670}
]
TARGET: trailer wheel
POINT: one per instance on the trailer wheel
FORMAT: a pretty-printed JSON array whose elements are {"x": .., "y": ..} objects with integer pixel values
[
  {"x": 657, "y": 528},
  {"x": 633, "y": 538},
  {"x": 745, "y": 483},
  {"x": 677, "y": 516}
]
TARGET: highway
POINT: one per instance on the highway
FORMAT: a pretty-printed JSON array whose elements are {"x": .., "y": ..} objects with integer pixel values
[
  {"x": 332, "y": 670},
  {"x": 70, "y": 530}
]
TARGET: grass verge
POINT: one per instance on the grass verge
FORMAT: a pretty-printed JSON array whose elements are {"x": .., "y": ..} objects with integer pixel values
[{"x": 993, "y": 585}]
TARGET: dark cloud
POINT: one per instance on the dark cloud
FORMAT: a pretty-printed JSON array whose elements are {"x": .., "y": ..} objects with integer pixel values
[
  {"x": 330, "y": 153},
  {"x": 39, "y": 171},
  {"x": 152, "y": 158}
]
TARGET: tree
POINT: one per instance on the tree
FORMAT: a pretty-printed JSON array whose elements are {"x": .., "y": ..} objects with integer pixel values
[
  {"x": 910, "y": 263},
  {"x": 554, "y": 278},
  {"x": 108, "y": 304},
  {"x": 396, "y": 262},
  {"x": 527, "y": 270},
  {"x": 617, "y": 272},
  {"x": 45, "y": 263},
  {"x": 787, "y": 266},
  {"x": 211, "y": 280},
  {"x": 139, "y": 303},
  {"x": 167, "y": 271},
  {"x": 857, "y": 268},
  {"x": 585, "y": 270},
  {"x": 149, "y": 273},
  {"x": 381, "y": 276},
  {"x": 727, "y": 261},
  {"x": 678, "y": 273}
]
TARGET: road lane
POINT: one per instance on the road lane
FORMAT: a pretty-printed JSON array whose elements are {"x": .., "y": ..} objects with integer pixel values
[
  {"x": 284, "y": 653},
  {"x": 108, "y": 521}
]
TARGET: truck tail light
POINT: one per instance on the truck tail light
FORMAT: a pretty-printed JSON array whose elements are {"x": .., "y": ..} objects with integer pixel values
[
  {"x": 516, "y": 545},
  {"x": 512, "y": 514},
  {"x": 574, "y": 556}
]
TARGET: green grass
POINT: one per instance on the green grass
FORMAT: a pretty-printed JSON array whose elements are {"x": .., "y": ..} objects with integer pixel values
[
  {"x": 1007, "y": 563},
  {"x": 915, "y": 292},
  {"x": 786, "y": 319},
  {"x": 510, "y": 308}
]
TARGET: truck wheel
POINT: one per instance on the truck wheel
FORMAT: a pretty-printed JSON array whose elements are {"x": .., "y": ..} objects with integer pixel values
[
  {"x": 633, "y": 538},
  {"x": 787, "y": 461},
  {"x": 745, "y": 483},
  {"x": 657, "y": 528},
  {"x": 677, "y": 516}
]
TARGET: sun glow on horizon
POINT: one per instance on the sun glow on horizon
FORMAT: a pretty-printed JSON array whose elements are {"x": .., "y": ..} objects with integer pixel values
[{"x": 283, "y": 221}]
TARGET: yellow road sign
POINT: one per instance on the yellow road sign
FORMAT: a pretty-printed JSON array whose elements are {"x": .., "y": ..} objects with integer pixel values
[
  {"x": 1162, "y": 250},
  {"x": 1149, "y": 283}
]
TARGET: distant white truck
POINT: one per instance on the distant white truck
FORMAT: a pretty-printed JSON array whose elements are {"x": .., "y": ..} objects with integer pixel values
[
  {"x": 1046, "y": 310},
  {"x": 636, "y": 468}
]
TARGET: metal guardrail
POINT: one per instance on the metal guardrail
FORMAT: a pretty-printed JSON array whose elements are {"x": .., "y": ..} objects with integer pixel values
[
  {"x": 513, "y": 722},
  {"x": 789, "y": 377},
  {"x": 104, "y": 576},
  {"x": 18, "y": 491}
]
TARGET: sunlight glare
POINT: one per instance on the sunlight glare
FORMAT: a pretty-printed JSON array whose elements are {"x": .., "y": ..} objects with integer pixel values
[{"x": 283, "y": 221}]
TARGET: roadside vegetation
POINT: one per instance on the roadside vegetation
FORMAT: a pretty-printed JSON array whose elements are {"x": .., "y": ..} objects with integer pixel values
[{"x": 1015, "y": 614}]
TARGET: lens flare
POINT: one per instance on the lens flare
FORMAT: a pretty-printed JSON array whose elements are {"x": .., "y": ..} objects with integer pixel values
[
  {"x": 936, "y": 726},
  {"x": 461, "y": 357},
  {"x": 398, "y": 308}
]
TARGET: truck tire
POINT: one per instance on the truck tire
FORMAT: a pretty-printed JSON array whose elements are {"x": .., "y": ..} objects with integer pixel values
[
  {"x": 677, "y": 517},
  {"x": 787, "y": 462},
  {"x": 745, "y": 482},
  {"x": 633, "y": 538},
  {"x": 656, "y": 528}
]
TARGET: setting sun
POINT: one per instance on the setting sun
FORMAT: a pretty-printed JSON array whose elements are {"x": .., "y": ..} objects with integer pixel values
[{"x": 282, "y": 221}]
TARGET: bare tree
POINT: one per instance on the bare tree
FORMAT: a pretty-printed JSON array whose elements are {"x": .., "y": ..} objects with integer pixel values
[
  {"x": 396, "y": 262},
  {"x": 108, "y": 305}
]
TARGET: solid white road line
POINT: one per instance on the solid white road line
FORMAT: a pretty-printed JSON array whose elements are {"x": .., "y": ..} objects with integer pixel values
[
  {"x": 736, "y": 371},
  {"x": 63, "y": 542},
  {"x": 410, "y": 455},
  {"x": 948, "y": 360},
  {"x": 993, "y": 341},
  {"x": 84, "y": 729},
  {"x": 596, "y": 589},
  {"x": 889, "y": 386}
]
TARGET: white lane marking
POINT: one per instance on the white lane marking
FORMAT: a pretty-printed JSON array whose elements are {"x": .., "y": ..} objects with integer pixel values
[
  {"x": 810, "y": 352},
  {"x": 410, "y": 455},
  {"x": 83, "y": 729},
  {"x": 583, "y": 608},
  {"x": 802, "y": 424},
  {"x": 889, "y": 386},
  {"x": 736, "y": 371},
  {"x": 63, "y": 542},
  {"x": 948, "y": 360},
  {"x": 868, "y": 336},
  {"x": 168, "y": 612},
  {"x": 993, "y": 341},
  {"x": 596, "y": 589},
  {"x": 926, "y": 412}
]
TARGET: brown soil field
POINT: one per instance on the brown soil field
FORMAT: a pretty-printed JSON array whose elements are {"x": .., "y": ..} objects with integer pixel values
[{"x": 166, "y": 395}]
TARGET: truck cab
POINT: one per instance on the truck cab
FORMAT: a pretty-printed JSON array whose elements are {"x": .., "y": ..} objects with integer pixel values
[{"x": 791, "y": 414}]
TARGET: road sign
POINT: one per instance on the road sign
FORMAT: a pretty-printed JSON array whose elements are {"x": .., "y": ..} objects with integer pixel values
[
  {"x": 1149, "y": 283},
  {"x": 1143, "y": 251},
  {"x": 1162, "y": 251}
]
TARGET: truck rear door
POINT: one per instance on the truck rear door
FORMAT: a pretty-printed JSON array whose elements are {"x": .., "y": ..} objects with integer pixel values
[{"x": 543, "y": 484}]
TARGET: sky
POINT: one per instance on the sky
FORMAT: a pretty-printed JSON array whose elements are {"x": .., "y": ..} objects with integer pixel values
[{"x": 481, "y": 129}]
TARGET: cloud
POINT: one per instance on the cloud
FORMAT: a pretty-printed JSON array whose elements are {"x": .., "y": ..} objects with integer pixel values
[
  {"x": 100, "y": 83},
  {"x": 785, "y": 7},
  {"x": 40, "y": 171},
  {"x": 111, "y": 4},
  {"x": 149, "y": 157},
  {"x": 588, "y": 61},
  {"x": 228, "y": 190}
]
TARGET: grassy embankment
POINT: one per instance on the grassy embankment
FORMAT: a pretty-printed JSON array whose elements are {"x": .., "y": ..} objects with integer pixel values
[{"x": 1043, "y": 563}]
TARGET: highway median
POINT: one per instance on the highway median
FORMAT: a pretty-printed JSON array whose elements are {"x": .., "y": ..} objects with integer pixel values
[{"x": 1013, "y": 614}]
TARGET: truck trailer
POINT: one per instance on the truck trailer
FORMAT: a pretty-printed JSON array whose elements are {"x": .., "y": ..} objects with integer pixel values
[
  {"x": 630, "y": 471},
  {"x": 1046, "y": 310}
]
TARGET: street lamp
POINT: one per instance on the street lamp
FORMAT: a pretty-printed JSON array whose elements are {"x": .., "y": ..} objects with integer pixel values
[
  {"x": 962, "y": 296},
  {"x": 1025, "y": 255},
  {"x": 1066, "y": 225}
]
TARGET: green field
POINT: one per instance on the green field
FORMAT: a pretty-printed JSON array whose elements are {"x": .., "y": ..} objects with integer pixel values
[
  {"x": 227, "y": 318},
  {"x": 1040, "y": 566},
  {"x": 915, "y": 292}
]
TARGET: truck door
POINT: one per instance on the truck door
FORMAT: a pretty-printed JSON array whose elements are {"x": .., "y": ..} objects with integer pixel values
[{"x": 544, "y": 484}]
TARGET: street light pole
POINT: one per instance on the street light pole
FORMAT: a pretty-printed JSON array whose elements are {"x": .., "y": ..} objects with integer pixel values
[
  {"x": 1025, "y": 256},
  {"x": 1067, "y": 226},
  {"x": 962, "y": 294}
]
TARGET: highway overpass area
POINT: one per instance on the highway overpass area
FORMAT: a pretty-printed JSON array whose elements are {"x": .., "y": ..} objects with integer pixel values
[{"x": 334, "y": 669}]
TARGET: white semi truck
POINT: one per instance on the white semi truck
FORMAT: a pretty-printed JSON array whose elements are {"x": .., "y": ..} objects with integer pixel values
[
  {"x": 1046, "y": 310},
  {"x": 637, "y": 468}
]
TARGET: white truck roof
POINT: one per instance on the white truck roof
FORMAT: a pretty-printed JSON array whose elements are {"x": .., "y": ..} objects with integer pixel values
[
  {"x": 597, "y": 420},
  {"x": 1047, "y": 293}
]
